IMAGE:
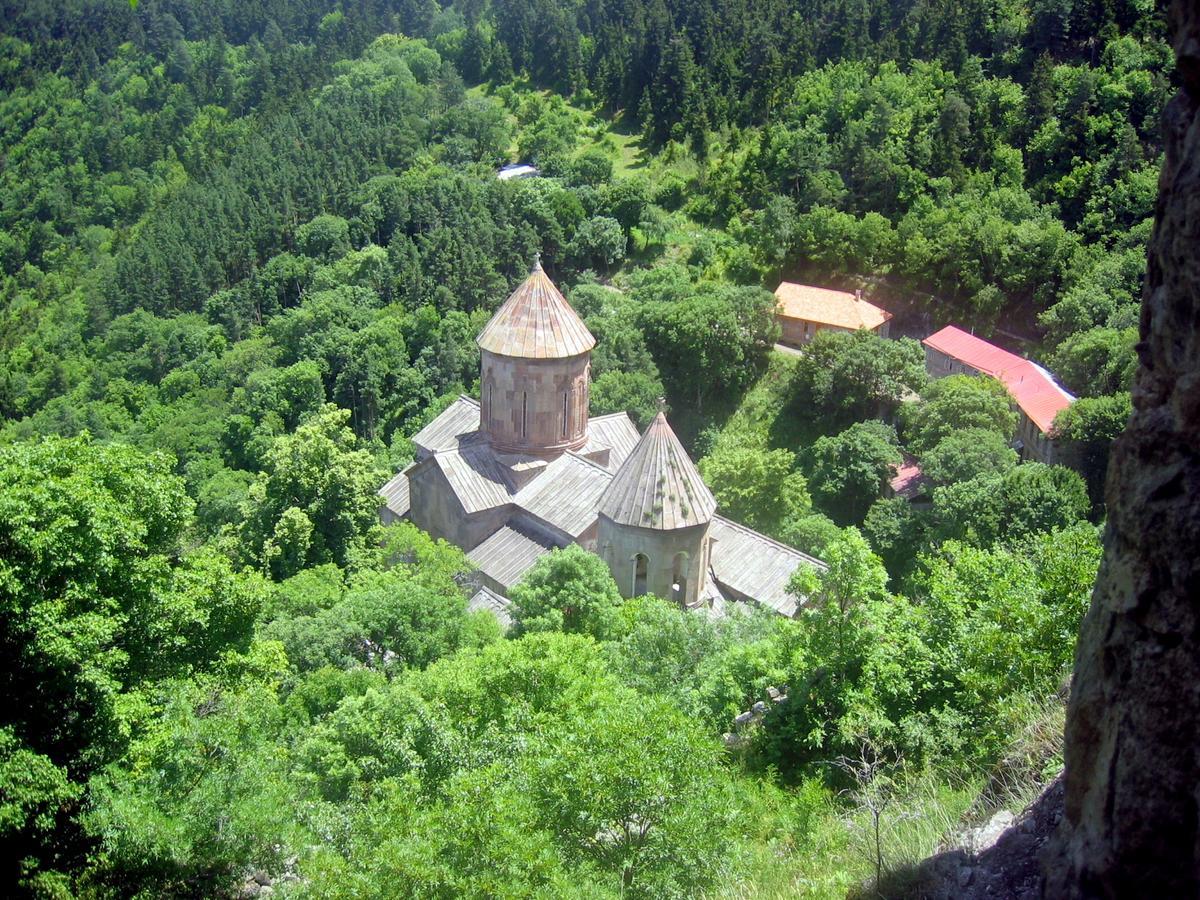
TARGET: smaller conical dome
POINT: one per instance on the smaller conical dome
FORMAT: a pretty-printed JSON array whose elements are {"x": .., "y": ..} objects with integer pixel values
[
  {"x": 658, "y": 486},
  {"x": 536, "y": 322}
]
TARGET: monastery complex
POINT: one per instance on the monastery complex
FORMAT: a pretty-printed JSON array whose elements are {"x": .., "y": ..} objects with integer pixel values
[{"x": 526, "y": 469}]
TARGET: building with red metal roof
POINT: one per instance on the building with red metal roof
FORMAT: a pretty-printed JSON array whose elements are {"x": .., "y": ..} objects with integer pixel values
[
  {"x": 908, "y": 481},
  {"x": 1038, "y": 397}
]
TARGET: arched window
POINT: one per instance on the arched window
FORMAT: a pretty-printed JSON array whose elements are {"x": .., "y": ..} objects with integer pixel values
[
  {"x": 641, "y": 563},
  {"x": 679, "y": 578},
  {"x": 566, "y": 411},
  {"x": 581, "y": 401},
  {"x": 524, "y": 412}
]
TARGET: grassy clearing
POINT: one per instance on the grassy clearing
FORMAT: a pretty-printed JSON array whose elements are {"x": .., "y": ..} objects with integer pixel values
[
  {"x": 630, "y": 157},
  {"x": 756, "y": 417},
  {"x": 811, "y": 843},
  {"x": 765, "y": 417},
  {"x": 620, "y": 142},
  {"x": 672, "y": 236},
  {"x": 615, "y": 136}
]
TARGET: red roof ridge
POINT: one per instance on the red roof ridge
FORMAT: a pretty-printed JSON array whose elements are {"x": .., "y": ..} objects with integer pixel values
[{"x": 1033, "y": 388}]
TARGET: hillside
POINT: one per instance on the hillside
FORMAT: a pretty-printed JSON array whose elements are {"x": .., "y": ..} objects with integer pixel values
[{"x": 245, "y": 252}]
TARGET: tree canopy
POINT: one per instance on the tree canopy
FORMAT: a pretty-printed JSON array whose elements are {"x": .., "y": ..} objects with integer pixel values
[
  {"x": 245, "y": 250},
  {"x": 568, "y": 590}
]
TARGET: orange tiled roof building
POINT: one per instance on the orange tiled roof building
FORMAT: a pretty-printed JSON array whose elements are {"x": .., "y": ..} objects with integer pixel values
[{"x": 802, "y": 310}]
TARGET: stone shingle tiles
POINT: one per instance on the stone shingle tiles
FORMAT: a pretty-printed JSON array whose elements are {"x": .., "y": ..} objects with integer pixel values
[
  {"x": 658, "y": 486},
  {"x": 395, "y": 493},
  {"x": 536, "y": 322},
  {"x": 510, "y": 552},
  {"x": 614, "y": 432},
  {"x": 566, "y": 494},
  {"x": 753, "y": 565},
  {"x": 478, "y": 479},
  {"x": 456, "y": 425},
  {"x": 487, "y": 600}
]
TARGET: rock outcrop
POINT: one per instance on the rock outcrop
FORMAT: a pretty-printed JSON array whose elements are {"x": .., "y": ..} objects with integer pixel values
[
  {"x": 1131, "y": 825},
  {"x": 998, "y": 860}
]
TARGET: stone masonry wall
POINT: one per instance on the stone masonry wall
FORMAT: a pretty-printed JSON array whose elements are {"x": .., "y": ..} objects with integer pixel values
[
  {"x": 617, "y": 545},
  {"x": 435, "y": 509},
  {"x": 530, "y": 393}
]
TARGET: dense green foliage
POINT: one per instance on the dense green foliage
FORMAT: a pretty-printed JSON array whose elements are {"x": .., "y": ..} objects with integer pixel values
[
  {"x": 100, "y": 603},
  {"x": 418, "y": 765},
  {"x": 244, "y": 252},
  {"x": 568, "y": 590},
  {"x": 850, "y": 469},
  {"x": 949, "y": 406},
  {"x": 758, "y": 487},
  {"x": 946, "y": 672},
  {"x": 1087, "y": 430}
]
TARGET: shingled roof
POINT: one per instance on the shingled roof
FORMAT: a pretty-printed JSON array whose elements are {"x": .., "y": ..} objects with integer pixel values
[
  {"x": 456, "y": 426},
  {"x": 658, "y": 486},
  {"x": 566, "y": 493},
  {"x": 536, "y": 322},
  {"x": 753, "y": 565}
]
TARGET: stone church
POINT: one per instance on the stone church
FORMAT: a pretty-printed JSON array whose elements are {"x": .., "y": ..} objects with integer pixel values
[{"x": 525, "y": 469}]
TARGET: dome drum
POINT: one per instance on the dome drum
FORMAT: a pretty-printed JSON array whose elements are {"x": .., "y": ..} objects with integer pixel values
[{"x": 535, "y": 406}]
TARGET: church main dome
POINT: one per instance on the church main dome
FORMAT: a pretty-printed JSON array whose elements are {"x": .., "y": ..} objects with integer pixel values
[
  {"x": 536, "y": 322},
  {"x": 535, "y": 365}
]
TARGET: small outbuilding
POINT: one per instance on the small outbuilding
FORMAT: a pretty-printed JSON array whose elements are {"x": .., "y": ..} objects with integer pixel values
[
  {"x": 803, "y": 309},
  {"x": 517, "y": 170},
  {"x": 908, "y": 482}
]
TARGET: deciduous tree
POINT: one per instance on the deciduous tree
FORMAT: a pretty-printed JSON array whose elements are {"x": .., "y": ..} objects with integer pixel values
[
  {"x": 568, "y": 590},
  {"x": 848, "y": 471},
  {"x": 330, "y": 485}
]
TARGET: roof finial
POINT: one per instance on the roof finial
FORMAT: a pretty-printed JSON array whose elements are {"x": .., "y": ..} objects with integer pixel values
[{"x": 537, "y": 260}]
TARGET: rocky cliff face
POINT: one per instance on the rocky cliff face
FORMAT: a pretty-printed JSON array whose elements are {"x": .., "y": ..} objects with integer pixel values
[{"x": 1132, "y": 807}]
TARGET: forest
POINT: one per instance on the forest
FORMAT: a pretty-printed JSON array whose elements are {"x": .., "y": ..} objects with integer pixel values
[{"x": 245, "y": 250}]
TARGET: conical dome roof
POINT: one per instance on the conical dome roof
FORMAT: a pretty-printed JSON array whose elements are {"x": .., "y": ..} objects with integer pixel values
[
  {"x": 658, "y": 486},
  {"x": 536, "y": 322}
]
